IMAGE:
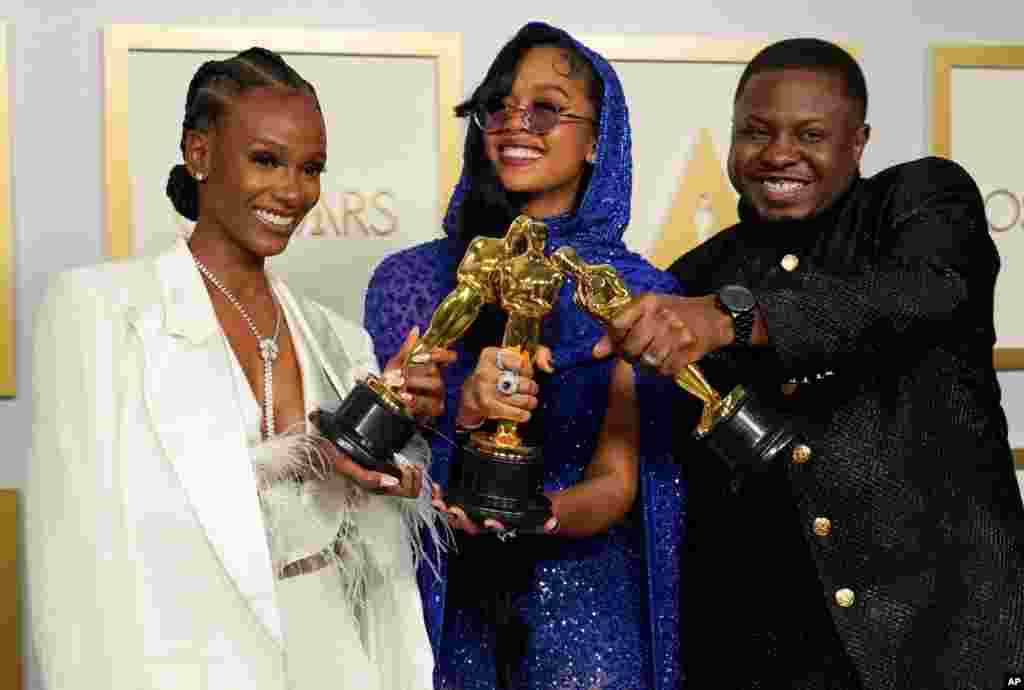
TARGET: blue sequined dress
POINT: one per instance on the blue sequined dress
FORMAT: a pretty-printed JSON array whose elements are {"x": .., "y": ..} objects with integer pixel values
[{"x": 593, "y": 612}]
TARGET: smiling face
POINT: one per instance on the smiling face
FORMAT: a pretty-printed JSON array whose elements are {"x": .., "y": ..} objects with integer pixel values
[
  {"x": 262, "y": 161},
  {"x": 797, "y": 141},
  {"x": 548, "y": 168}
]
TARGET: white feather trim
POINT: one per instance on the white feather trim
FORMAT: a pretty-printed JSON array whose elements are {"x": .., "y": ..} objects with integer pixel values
[
  {"x": 309, "y": 508},
  {"x": 290, "y": 457},
  {"x": 419, "y": 514}
]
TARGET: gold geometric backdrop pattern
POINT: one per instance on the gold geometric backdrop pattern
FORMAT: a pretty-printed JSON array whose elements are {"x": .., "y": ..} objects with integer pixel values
[{"x": 704, "y": 204}]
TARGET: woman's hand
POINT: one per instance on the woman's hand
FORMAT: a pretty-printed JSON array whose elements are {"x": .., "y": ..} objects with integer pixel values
[
  {"x": 501, "y": 387},
  {"x": 458, "y": 519},
  {"x": 409, "y": 486},
  {"x": 611, "y": 478},
  {"x": 422, "y": 387}
]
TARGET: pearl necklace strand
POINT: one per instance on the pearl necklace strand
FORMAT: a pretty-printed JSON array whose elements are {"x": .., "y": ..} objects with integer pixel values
[{"x": 268, "y": 346}]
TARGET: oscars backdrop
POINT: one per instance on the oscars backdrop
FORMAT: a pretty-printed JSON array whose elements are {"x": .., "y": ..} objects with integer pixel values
[
  {"x": 977, "y": 101},
  {"x": 393, "y": 145}
]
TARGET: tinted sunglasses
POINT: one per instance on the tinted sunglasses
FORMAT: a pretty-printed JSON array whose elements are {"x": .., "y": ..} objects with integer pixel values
[{"x": 536, "y": 118}]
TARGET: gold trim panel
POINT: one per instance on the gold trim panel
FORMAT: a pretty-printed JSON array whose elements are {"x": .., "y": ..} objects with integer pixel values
[
  {"x": 944, "y": 57},
  {"x": 10, "y": 640}
]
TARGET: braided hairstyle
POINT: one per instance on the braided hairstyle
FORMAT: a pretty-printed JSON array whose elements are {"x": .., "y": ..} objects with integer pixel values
[{"x": 212, "y": 89}]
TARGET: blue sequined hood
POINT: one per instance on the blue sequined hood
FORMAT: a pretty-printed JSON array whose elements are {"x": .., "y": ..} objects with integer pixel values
[
  {"x": 577, "y": 581},
  {"x": 603, "y": 212}
]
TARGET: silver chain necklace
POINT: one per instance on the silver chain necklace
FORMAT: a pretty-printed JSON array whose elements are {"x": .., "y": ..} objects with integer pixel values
[{"x": 268, "y": 346}]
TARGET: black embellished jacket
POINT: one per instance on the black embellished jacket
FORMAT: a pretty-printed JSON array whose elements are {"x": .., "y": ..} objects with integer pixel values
[{"x": 905, "y": 529}]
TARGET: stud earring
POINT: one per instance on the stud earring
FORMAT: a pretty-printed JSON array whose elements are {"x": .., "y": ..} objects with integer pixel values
[{"x": 200, "y": 176}]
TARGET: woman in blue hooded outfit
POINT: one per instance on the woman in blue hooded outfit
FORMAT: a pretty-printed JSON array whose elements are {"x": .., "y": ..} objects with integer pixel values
[{"x": 594, "y": 604}]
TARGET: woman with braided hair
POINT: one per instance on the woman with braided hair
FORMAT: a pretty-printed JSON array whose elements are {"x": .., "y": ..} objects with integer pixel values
[{"x": 186, "y": 527}]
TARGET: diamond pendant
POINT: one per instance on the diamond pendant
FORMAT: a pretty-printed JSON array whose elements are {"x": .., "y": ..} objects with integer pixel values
[{"x": 268, "y": 349}]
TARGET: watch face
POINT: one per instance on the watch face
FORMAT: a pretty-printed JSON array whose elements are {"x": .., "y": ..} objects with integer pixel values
[{"x": 736, "y": 298}]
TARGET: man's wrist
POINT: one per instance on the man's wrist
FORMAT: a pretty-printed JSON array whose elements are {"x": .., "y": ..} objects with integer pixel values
[
  {"x": 728, "y": 328},
  {"x": 739, "y": 305}
]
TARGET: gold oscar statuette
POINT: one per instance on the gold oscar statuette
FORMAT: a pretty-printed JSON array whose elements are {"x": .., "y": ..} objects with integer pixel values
[
  {"x": 601, "y": 292},
  {"x": 497, "y": 475},
  {"x": 738, "y": 427},
  {"x": 513, "y": 272},
  {"x": 373, "y": 421}
]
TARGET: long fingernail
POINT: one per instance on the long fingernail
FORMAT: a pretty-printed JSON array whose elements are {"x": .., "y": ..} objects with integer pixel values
[
  {"x": 394, "y": 378},
  {"x": 420, "y": 358},
  {"x": 387, "y": 481}
]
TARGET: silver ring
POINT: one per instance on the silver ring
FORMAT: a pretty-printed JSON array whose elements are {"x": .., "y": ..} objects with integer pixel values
[
  {"x": 499, "y": 360},
  {"x": 650, "y": 359},
  {"x": 508, "y": 383},
  {"x": 506, "y": 534}
]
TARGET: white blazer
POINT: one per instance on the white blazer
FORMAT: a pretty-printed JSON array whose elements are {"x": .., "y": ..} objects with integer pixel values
[{"x": 148, "y": 566}]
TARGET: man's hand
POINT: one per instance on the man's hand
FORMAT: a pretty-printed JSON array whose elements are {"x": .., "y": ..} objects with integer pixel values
[{"x": 666, "y": 332}]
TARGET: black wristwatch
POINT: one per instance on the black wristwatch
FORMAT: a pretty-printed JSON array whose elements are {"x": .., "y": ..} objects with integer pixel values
[{"x": 738, "y": 302}]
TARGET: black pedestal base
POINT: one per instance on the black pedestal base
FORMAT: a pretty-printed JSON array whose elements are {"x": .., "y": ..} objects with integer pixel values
[
  {"x": 752, "y": 434},
  {"x": 488, "y": 486},
  {"x": 368, "y": 429}
]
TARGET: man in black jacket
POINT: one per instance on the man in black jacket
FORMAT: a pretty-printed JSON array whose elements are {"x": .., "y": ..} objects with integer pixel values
[{"x": 862, "y": 308}]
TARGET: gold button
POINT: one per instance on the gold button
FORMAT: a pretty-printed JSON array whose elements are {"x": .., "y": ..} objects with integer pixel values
[
  {"x": 845, "y": 597},
  {"x": 790, "y": 262},
  {"x": 822, "y": 526},
  {"x": 801, "y": 454}
]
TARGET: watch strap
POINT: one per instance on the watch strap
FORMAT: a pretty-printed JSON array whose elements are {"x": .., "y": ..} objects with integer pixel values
[
  {"x": 739, "y": 303},
  {"x": 743, "y": 327}
]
